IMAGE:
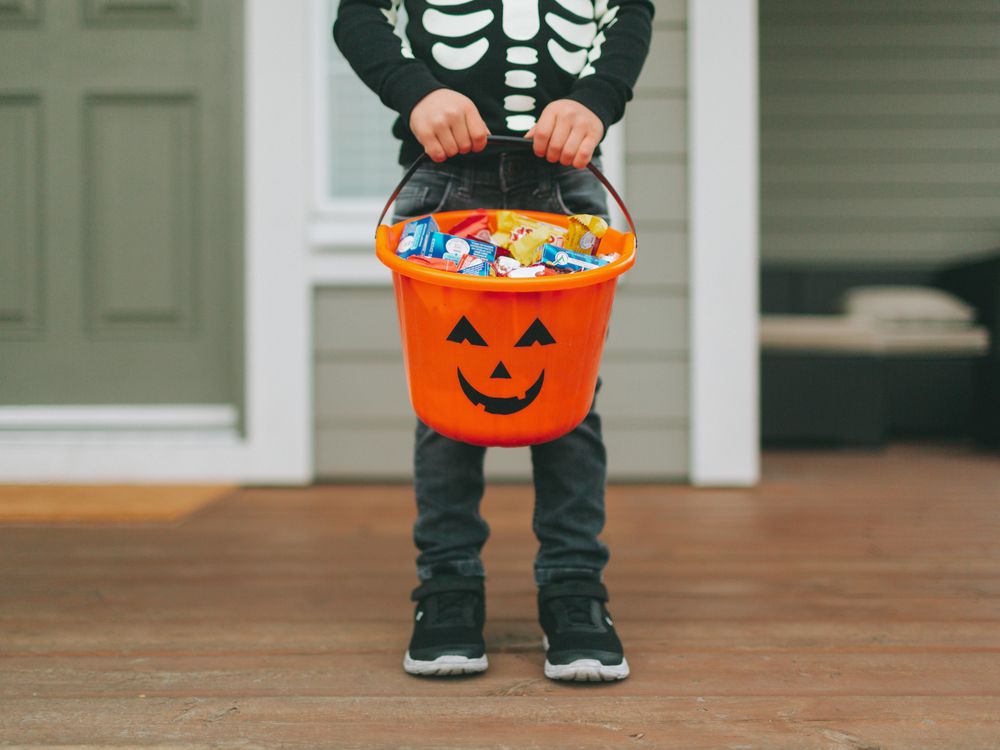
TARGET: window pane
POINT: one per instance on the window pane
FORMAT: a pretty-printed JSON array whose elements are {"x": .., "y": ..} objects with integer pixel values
[{"x": 363, "y": 152}]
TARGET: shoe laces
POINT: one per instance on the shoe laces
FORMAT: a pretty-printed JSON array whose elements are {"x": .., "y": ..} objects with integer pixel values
[
  {"x": 575, "y": 612},
  {"x": 453, "y": 608}
]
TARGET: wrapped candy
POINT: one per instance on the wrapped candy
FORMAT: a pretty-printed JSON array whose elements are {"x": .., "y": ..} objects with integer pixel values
[
  {"x": 416, "y": 235},
  {"x": 441, "y": 264},
  {"x": 527, "y": 272},
  {"x": 527, "y": 248},
  {"x": 568, "y": 260},
  {"x": 472, "y": 265},
  {"x": 475, "y": 226},
  {"x": 505, "y": 264},
  {"x": 585, "y": 233},
  {"x": 442, "y": 244},
  {"x": 527, "y": 235}
]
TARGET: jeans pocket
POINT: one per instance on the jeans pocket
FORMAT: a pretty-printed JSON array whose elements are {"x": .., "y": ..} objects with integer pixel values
[
  {"x": 579, "y": 192},
  {"x": 425, "y": 193}
]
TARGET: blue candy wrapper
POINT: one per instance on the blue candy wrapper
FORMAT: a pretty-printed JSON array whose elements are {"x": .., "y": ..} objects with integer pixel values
[
  {"x": 446, "y": 246},
  {"x": 416, "y": 237},
  {"x": 569, "y": 260}
]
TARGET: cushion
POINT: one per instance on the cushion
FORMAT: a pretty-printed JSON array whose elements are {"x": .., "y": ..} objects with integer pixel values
[
  {"x": 818, "y": 333},
  {"x": 908, "y": 307},
  {"x": 841, "y": 334}
]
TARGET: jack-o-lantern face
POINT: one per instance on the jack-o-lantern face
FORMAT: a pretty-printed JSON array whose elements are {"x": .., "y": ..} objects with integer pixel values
[{"x": 465, "y": 333}]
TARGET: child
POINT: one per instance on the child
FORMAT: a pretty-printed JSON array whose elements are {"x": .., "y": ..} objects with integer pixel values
[{"x": 558, "y": 72}]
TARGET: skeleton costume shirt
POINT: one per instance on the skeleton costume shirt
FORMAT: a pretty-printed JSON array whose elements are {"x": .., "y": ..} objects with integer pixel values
[{"x": 511, "y": 57}]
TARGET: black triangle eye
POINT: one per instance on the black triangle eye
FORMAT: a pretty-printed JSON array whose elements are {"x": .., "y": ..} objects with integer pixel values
[
  {"x": 463, "y": 331},
  {"x": 536, "y": 334}
]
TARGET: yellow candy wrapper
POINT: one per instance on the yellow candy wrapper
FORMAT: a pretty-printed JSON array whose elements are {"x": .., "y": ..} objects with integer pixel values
[
  {"x": 527, "y": 235},
  {"x": 585, "y": 233},
  {"x": 527, "y": 249}
]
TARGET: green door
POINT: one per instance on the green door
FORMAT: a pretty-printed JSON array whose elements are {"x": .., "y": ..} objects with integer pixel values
[{"x": 120, "y": 202}]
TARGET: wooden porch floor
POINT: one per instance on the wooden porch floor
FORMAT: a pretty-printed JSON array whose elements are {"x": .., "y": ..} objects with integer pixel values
[{"x": 851, "y": 601}]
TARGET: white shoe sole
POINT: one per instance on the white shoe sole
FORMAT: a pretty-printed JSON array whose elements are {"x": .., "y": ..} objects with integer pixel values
[
  {"x": 585, "y": 670},
  {"x": 445, "y": 666}
]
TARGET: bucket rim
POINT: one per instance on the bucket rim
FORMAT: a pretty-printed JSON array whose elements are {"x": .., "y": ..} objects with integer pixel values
[{"x": 436, "y": 276}]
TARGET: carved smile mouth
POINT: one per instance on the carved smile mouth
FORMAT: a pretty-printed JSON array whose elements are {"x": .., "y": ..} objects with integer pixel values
[{"x": 495, "y": 405}]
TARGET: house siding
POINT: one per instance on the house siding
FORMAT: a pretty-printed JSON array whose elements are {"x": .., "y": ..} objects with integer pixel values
[
  {"x": 364, "y": 424},
  {"x": 879, "y": 130}
]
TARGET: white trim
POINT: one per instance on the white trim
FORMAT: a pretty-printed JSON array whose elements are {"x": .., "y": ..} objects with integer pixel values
[
  {"x": 347, "y": 269},
  {"x": 319, "y": 40},
  {"x": 277, "y": 446},
  {"x": 349, "y": 225},
  {"x": 724, "y": 229},
  {"x": 613, "y": 161},
  {"x": 116, "y": 417}
]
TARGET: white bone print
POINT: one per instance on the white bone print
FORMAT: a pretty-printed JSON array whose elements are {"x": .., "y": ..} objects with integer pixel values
[{"x": 572, "y": 41}]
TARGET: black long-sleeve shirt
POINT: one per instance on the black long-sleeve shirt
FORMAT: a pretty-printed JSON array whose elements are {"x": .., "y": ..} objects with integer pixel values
[{"x": 511, "y": 57}]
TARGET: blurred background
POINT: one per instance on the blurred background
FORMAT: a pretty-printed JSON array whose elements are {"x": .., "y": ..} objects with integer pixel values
[{"x": 187, "y": 288}]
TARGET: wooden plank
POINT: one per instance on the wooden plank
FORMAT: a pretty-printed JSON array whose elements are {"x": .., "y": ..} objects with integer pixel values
[
  {"x": 573, "y": 719},
  {"x": 379, "y": 673},
  {"x": 66, "y": 636},
  {"x": 104, "y": 504},
  {"x": 840, "y": 604}
]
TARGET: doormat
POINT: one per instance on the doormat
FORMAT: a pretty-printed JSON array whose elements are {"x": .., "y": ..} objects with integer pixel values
[{"x": 104, "y": 503}]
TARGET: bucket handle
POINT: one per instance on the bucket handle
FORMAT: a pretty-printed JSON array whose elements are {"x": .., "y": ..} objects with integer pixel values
[{"x": 511, "y": 141}]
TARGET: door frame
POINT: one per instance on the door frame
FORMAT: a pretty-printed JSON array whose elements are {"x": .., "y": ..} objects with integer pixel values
[
  {"x": 724, "y": 213},
  {"x": 149, "y": 444}
]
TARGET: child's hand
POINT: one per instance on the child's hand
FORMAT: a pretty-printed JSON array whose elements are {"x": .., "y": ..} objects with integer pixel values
[
  {"x": 447, "y": 123},
  {"x": 567, "y": 132}
]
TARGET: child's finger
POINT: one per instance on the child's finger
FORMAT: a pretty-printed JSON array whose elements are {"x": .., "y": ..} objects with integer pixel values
[
  {"x": 431, "y": 145},
  {"x": 447, "y": 141},
  {"x": 477, "y": 130},
  {"x": 585, "y": 151},
  {"x": 460, "y": 132},
  {"x": 558, "y": 140},
  {"x": 542, "y": 132},
  {"x": 573, "y": 142}
]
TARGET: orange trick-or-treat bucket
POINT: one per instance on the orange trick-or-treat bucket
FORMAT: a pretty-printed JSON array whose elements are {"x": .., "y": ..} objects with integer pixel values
[{"x": 501, "y": 361}]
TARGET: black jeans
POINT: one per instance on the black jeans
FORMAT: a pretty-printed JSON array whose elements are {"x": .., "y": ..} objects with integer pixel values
[{"x": 569, "y": 472}]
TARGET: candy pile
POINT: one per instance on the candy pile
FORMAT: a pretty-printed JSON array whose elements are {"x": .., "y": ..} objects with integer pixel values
[{"x": 515, "y": 246}]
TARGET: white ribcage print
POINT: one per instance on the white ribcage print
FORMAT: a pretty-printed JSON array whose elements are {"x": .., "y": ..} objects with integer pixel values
[{"x": 573, "y": 41}]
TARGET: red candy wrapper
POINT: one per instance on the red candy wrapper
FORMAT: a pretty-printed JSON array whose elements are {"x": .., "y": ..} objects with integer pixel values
[
  {"x": 442, "y": 264},
  {"x": 475, "y": 226}
]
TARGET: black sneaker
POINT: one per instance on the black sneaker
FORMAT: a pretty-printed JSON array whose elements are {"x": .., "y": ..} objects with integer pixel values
[
  {"x": 580, "y": 639},
  {"x": 448, "y": 627}
]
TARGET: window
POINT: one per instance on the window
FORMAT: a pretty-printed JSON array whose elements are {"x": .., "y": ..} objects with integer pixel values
[{"x": 356, "y": 155}]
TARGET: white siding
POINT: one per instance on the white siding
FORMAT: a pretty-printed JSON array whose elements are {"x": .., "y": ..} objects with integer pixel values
[{"x": 880, "y": 137}]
